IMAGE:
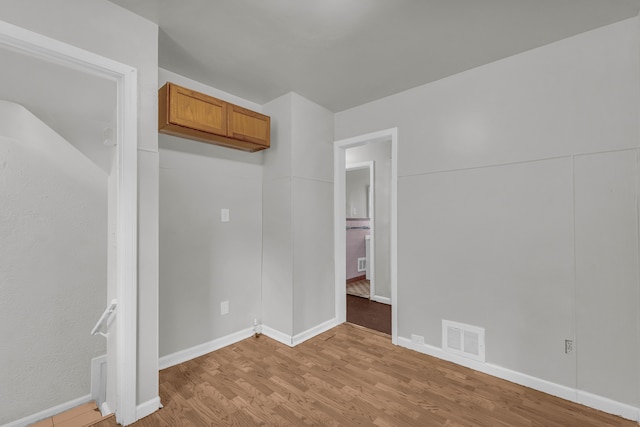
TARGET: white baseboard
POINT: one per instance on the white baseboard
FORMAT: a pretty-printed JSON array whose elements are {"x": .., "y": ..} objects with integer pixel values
[
  {"x": 574, "y": 395},
  {"x": 607, "y": 405},
  {"x": 277, "y": 335},
  {"x": 148, "y": 407},
  {"x": 201, "y": 349},
  {"x": 105, "y": 410},
  {"x": 312, "y": 332},
  {"x": 293, "y": 341},
  {"x": 50, "y": 412},
  {"x": 383, "y": 300}
]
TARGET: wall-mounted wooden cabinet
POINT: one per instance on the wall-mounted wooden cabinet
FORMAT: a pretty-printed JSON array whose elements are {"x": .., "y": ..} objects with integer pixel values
[{"x": 189, "y": 114}]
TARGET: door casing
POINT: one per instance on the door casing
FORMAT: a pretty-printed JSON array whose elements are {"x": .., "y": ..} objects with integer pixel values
[{"x": 339, "y": 221}]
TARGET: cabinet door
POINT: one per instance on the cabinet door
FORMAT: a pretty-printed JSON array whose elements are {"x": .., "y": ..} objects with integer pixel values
[
  {"x": 197, "y": 111},
  {"x": 247, "y": 125}
]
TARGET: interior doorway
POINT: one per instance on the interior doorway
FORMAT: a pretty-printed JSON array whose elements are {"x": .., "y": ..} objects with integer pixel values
[
  {"x": 121, "y": 83},
  {"x": 367, "y": 192},
  {"x": 357, "y": 152}
]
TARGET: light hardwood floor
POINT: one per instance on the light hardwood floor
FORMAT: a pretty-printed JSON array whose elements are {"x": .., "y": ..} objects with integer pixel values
[
  {"x": 80, "y": 416},
  {"x": 349, "y": 376}
]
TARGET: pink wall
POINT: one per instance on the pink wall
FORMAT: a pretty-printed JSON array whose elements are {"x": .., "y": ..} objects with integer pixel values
[{"x": 356, "y": 246}]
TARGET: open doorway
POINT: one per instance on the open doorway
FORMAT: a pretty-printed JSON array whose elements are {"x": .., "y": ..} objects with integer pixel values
[
  {"x": 57, "y": 195},
  {"x": 365, "y": 216},
  {"x": 367, "y": 197}
]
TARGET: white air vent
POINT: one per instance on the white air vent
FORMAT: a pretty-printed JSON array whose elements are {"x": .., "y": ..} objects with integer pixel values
[
  {"x": 463, "y": 340},
  {"x": 362, "y": 264}
]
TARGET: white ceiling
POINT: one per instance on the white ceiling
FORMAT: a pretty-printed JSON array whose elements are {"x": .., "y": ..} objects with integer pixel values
[
  {"x": 76, "y": 105},
  {"x": 343, "y": 53}
]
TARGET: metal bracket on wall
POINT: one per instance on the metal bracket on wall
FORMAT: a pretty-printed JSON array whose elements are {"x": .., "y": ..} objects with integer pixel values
[{"x": 104, "y": 319}]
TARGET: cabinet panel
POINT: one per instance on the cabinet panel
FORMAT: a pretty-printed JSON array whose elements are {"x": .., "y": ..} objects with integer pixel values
[
  {"x": 197, "y": 111},
  {"x": 247, "y": 125}
]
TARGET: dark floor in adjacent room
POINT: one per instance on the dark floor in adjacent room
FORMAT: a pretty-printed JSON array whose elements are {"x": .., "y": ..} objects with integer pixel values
[{"x": 370, "y": 314}]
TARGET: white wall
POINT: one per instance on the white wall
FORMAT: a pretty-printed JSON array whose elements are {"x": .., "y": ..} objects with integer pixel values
[
  {"x": 606, "y": 255},
  {"x": 53, "y": 274},
  {"x": 101, "y": 27},
  {"x": 380, "y": 153},
  {"x": 523, "y": 176},
  {"x": 298, "y": 193},
  {"x": 313, "y": 291},
  {"x": 202, "y": 260},
  {"x": 277, "y": 217}
]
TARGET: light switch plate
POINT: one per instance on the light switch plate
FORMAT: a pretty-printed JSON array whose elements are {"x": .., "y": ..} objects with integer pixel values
[
  {"x": 224, "y": 307},
  {"x": 224, "y": 215}
]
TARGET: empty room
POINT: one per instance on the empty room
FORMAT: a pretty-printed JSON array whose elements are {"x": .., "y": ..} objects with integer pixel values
[{"x": 274, "y": 212}]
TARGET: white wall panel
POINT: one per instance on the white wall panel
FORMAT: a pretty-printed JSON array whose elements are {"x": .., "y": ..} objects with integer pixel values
[
  {"x": 608, "y": 295},
  {"x": 53, "y": 265},
  {"x": 313, "y": 140},
  {"x": 313, "y": 290},
  {"x": 492, "y": 247},
  {"x": 277, "y": 271},
  {"x": 278, "y": 159},
  {"x": 204, "y": 261},
  {"x": 298, "y": 257}
]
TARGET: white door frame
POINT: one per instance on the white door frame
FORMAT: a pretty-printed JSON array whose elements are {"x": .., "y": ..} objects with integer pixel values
[
  {"x": 45, "y": 48},
  {"x": 339, "y": 221},
  {"x": 370, "y": 166}
]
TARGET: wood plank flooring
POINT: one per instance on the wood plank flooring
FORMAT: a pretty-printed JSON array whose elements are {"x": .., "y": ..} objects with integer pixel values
[
  {"x": 359, "y": 288},
  {"x": 345, "y": 377},
  {"x": 84, "y": 415},
  {"x": 370, "y": 314}
]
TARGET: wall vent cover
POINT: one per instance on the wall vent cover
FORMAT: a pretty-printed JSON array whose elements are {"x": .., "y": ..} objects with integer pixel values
[{"x": 463, "y": 340}]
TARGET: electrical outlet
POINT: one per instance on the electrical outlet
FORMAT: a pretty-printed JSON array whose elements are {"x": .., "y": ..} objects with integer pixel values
[
  {"x": 224, "y": 215},
  {"x": 224, "y": 308},
  {"x": 568, "y": 346},
  {"x": 417, "y": 339}
]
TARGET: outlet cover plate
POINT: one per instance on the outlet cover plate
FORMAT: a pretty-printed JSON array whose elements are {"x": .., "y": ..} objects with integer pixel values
[
  {"x": 417, "y": 339},
  {"x": 568, "y": 346},
  {"x": 224, "y": 308}
]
